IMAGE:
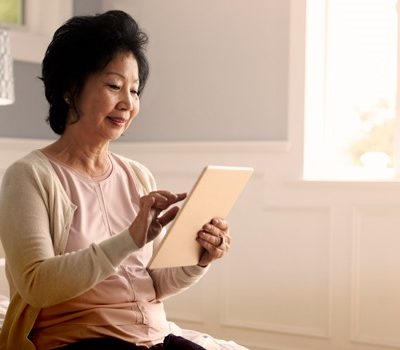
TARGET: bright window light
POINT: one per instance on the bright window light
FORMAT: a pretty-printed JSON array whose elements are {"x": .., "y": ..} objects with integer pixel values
[
  {"x": 351, "y": 89},
  {"x": 11, "y": 12}
]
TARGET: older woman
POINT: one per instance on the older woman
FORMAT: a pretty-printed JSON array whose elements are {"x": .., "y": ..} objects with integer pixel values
[{"x": 77, "y": 222}]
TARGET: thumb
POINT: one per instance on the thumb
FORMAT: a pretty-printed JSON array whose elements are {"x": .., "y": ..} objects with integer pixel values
[{"x": 168, "y": 216}]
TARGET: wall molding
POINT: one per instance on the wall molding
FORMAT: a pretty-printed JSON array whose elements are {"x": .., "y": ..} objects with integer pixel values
[
  {"x": 165, "y": 157},
  {"x": 274, "y": 328},
  {"x": 355, "y": 328},
  {"x": 254, "y": 346},
  {"x": 254, "y": 147},
  {"x": 177, "y": 317},
  {"x": 258, "y": 147},
  {"x": 271, "y": 327}
]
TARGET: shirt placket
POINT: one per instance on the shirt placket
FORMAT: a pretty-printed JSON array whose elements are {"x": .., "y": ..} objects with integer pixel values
[{"x": 122, "y": 269}]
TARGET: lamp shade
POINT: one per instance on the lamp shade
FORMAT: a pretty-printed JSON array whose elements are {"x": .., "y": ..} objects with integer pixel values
[{"x": 6, "y": 69}]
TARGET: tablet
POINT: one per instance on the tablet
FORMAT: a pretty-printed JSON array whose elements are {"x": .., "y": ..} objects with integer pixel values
[{"x": 213, "y": 195}]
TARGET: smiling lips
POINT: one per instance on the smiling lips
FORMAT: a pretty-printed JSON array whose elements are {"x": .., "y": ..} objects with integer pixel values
[{"x": 117, "y": 121}]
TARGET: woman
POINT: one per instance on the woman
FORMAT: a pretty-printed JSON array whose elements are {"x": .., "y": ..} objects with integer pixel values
[{"x": 79, "y": 223}]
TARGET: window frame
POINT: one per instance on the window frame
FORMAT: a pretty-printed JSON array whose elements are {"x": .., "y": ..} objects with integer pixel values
[
  {"x": 314, "y": 108},
  {"x": 29, "y": 42}
]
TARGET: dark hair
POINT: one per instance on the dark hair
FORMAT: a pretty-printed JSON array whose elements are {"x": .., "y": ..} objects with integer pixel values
[{"x": 82, "y": 46}]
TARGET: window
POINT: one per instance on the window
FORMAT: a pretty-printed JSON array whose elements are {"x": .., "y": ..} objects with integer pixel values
[
  {"x": 11, "y": 12},
  {"x": 351, "y": 89},
  {"x": 30, "y": 40}
]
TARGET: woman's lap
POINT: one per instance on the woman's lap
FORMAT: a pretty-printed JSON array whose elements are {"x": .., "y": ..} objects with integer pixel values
[
  {"x": 171, "y": 342},
  {"x": 177, "y": 340}
]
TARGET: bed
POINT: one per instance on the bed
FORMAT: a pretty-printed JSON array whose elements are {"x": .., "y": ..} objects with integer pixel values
[{"x": 4, "y": 299}]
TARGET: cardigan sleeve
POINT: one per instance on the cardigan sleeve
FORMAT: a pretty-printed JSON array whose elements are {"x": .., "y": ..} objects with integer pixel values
[
  {"x": 174, "y": 280},
  {"x": 42, "y": 278}
]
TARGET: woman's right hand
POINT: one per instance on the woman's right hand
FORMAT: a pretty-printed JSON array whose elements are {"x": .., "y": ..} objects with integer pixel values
[{"x": 148, "y": 223}]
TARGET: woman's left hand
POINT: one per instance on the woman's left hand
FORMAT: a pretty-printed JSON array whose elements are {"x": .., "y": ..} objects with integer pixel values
[{"x": 214, "y": 237}]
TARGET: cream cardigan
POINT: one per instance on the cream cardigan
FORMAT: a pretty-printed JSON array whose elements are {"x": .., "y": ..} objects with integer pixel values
[{"x": 35, "y": 216}]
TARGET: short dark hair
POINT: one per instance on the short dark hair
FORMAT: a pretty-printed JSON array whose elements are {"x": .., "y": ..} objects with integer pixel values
[{"x": 82, "y": 46}]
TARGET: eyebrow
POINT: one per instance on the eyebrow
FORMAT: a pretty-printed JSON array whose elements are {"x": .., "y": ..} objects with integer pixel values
[{"x": 120, "y": 75}]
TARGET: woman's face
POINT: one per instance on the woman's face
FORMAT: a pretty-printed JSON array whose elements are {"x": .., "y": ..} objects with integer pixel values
[{"x": 109, "y": 100}]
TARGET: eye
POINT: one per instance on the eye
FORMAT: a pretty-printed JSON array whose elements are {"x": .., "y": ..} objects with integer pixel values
[
  {"x": 113, "y": 86},
  {"x": 135, "y": 92}
]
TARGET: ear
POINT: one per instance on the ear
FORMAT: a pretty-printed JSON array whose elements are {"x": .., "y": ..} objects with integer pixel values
[{"x": 67, "y": 100}]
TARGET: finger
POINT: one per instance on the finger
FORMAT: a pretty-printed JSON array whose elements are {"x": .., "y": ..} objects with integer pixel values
[
  {"x": 180, "y": 196},
  {"x": 168, "y": 216},
  {"x": 164, "y": 198},
  {"x": 160, "y": 201},
  {"x": 221, "y": 223},
  {"x": 176, "y": 197},
  {"x": 154, "y": 230},
  {"x": 212, "y": 230},
  {"x": 172, "y": 197},
  {"x": 215, "y": 252},
  {"x": 213, "y": 239}
]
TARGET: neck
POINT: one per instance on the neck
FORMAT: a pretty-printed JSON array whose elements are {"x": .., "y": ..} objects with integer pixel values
[{"x": 88, "y": 158}]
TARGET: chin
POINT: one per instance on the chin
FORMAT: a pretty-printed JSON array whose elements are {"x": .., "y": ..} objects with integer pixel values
[{"x": 116, "y": 137}]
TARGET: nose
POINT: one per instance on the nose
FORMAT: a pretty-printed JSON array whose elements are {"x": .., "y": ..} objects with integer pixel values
[{"x": 128, "y": 101}]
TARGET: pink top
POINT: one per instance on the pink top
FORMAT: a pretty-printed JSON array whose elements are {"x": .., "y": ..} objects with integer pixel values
[{"x": 124, "y": 305}]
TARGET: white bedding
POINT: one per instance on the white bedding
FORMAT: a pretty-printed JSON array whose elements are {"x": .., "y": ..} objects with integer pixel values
[
  {"x": 205, "y": 340},
  {"x": 4, "y": 299},
  {"x": 3, "y": 308}
]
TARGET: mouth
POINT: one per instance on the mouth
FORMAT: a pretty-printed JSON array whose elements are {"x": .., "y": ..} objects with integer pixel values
[{"x": 117, "y": 121}]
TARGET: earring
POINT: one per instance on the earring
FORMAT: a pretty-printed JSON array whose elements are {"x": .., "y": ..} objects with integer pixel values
[{"x": 67, "y": 100}]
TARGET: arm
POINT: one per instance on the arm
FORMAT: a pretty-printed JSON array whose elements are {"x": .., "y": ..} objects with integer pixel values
[
  {"x": 38, "y": 275},
  {"x": 170, "y": 281},
  {"x": 215, "y": 240},
  {"x": 174, "y": 280}
]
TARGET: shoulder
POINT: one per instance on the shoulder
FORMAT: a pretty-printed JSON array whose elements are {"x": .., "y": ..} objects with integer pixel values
[
  {"x": 33, "y": 164},
  {"x": 27, "y": 177},
  {"x": 141, "y": 172}
]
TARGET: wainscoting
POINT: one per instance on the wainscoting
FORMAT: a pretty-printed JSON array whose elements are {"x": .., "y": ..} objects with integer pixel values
[{"x": 313, "y": 265}]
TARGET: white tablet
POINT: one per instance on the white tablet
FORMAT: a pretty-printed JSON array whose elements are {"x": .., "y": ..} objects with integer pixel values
[{"x": 213, "y": 195}]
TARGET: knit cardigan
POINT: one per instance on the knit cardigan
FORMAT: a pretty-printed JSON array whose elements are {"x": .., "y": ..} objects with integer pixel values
[{"x": 35, "y": 218}]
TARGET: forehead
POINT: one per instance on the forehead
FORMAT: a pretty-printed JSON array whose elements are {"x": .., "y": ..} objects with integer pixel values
[{"x": 123, "y": 64}]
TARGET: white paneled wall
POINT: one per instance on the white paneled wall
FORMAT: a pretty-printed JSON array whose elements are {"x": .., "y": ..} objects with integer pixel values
[
  {"x": 313, "y": 265},
  {"x": 376, "y": 262}
]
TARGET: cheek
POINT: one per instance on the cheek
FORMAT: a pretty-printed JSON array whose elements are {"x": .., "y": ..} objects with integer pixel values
[
  {"x": 95, "y": 106},
  {"x": 136, "y": 109}
]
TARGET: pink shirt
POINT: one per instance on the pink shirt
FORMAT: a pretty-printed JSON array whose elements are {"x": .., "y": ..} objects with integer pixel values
[{"x": 124, "y": 305}]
